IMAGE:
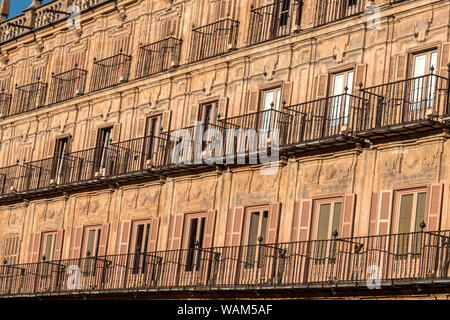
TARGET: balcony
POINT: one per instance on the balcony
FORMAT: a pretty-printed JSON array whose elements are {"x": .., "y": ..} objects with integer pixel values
[
  {"x": 326, "y": 121},
  {"x": 28, "y": 97},
  {"x": 5, "y": 104},
  {"x": 213, "y": 39},
  {"x": 404, "y": 107},
  {"x": 400, "y": 260},
  {"x": 67, "y": 85},
  {"x": 270, "y": 21},
  {"x": 333, "y": 10},
  {"x": 110, "y": 71},
  {"x": 158, "y": 57}
]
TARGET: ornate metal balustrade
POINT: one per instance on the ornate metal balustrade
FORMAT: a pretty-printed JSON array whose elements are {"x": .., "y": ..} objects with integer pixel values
[
  {"x": 332, "y": 10},
  {"x": 28, "y": 97},
  {"x": 397, "y": 259},
  {"x": 412, "y": 104},
  {"x": 110, "y": 71},
  {"x": 158, "y": 57},
  {"x": 67, "y": 85},
  {"x": 5, "y": 103},
  {"x": 270, "y": 21},
  {"x": 213, "y": 39}
]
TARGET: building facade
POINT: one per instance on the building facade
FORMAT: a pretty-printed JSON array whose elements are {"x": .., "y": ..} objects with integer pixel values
[{"x": 351, "y": 96}]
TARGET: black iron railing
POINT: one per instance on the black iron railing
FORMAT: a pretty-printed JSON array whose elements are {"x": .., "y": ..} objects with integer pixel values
[
  {"x": 157, "y": 57},
  {"x": 384, "y": 260},
  {"x": 333, "y": 10},
  {"x": 402, "y": 102},
  {"x": 5, "y": 104},
  {"x": 213, "y": 39},
  {"x": 29, "y": 97},
  {"x": 326, "y": 117},
  {"x": 270, "y": 21},
  {"x": 110, "y": 71},
  {"x": 67, "y": 85}
]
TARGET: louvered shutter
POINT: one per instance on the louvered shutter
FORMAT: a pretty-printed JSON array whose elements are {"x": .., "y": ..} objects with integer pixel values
[
  {"x": 35, "y": 244},
  {"x": 321, "y": 85},
  {"x": 287, "y": 93},
  {"x": 273, "y": 222},
  {"x": 236, "y": 225},
  {"x": 166, "y": 121},
  {"x": 348, "y": 216},
  {"x": 104, "y": 235},
  {"x": 76, "y": 241},
  {"x": 253, "y": 101},
  {"x": 373, "y": 214},
  {"x": 115, "y": 134},
  {"x": 194, "y": 114},
  {"x": 124, "y": 237},
  {"x": 384, "y": 218},
  {"x": 153, "y": 236},
  {"x": 140, "y": 131},
  {"x": 210, "y": 223},
  {"x": 302, "y": 220},
  {"x": 445, "y": 59},
  {"x": 92, "y": 142},
  {"x": 402, "y": 67},
  {"x": 360, "y": 77},
  {"x": 433, "y": 218},
  {"x": 176, "y": 234},
  {"x": 59, "y": 244},
  {"x": 223, "y": 106}
]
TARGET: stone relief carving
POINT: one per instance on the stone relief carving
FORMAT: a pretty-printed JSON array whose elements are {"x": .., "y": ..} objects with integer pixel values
[
  {"x": 422, "y": 26},
  {"x": 311, "y": 173},
  {"x": 130, "y": 199},
  {"x": 430, "y": 159},
  {"x": 340, "y": 48},
  {"x": 270, "y": 67}
]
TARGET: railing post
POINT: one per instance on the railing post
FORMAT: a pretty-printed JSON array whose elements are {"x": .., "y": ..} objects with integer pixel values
[{"x": 447, "y": 102}]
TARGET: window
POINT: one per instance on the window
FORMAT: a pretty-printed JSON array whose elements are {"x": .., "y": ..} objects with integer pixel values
[
  {"x": 139, "y": 237},
  {"x": 152, "y": 131},
  {"x": 423, "y": 86},
  {"x": 257, "y": 227},
  {"x": 411, "y": 213},
  {"x": 196, "y": 227},
  {"x": 327, "y": 214},
  {"x": 48, "y": 246},
  {"x": 91, "y": 240},
  {"x": 61, "y": 149},
  {"x": 340, "y": 101},
  {"x": 11, "y": 249},
  {"x": 103, "y": 145}
]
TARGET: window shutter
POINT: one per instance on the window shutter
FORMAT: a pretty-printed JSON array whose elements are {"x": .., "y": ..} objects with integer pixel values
[
  {"x": 208, "y": 238},
  {"x": 50, "y": 152},
  {"x": 35, "y": 244},
  {"x": 194, "y": 114},
  {"x": 445, "y": 59},
  {"x": 253, "y": 101},
  {"x": 121, "y": 44},
  {"x": 104, "y": 234},
  {"x": 287, "y": 93},
  {"x": 348, "y": 216},
  {"x": 59, "y": 244},
  {"x": 274, "y": 222},
  {"x": 166, "y": 120},
  {"x": 234, "y": 225},
  {"x": 223, "y": 106},
  {"x": 115, "y": 134},
  {"x": 433, "y": 217},
  {"x": 140, "y": 132},
  {"x": 153, "y": 236},
  {"x": 385, "y": 212},
  {"x": 402, "y": 66},
  {"x": 373, "y": 214},
  {"x": 176, "y": 234},
  {"x": 360, "y": 76},
  {"x": 75, "y": 247},
  {"x": 124, "y": 238},
  {"x": 302, "y": 220},
  {"x": 93, "y": 138},
  {"x": 321, "y": 86},
  {"x": 77, "y": 58}
]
